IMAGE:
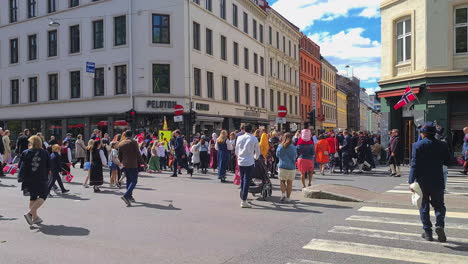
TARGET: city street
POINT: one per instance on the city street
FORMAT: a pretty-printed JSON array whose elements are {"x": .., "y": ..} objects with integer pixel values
[{"x": 198, "y": 220}]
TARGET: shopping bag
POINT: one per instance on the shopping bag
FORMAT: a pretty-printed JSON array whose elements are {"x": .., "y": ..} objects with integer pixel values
[{"x": 416, "y": 197}]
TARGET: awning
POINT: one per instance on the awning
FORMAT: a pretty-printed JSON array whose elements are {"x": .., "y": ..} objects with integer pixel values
[
  {"x": 449, "y": 87},
  {"x": 210, "y": 119},
  {"x": 393, "y": 93}
]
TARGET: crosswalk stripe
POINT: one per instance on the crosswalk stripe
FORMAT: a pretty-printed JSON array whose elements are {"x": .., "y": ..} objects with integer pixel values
[
  {"x": 454, "y": 184},
  {"x": 396, "y": 221},
  {"x": 303, "y": 261},
  {"x": 406, "y": 211},
  {"x": 375, "y": 233},
  {"x": 409, "y": 192},
  {"x": 400, "y": 254}
]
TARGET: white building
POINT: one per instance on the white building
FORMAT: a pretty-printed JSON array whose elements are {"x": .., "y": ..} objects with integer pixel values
[{"x": 149, "y": 56}]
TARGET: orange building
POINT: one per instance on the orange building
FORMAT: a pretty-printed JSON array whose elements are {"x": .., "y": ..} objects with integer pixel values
[{"x": 310, "y": 72}]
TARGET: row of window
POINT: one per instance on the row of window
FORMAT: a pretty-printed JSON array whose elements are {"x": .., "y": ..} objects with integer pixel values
[
  {"x": 306, "y": 89},
  {"x": 293, "y": 100},
  {"x": 328, "y": 93},
  {"x": 310, "y": 68},
  {"x": 328, "y": 75},
  {"x": 329, "y": 112}
]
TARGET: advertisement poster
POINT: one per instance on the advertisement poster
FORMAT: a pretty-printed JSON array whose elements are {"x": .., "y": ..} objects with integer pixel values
[{"x": 165, "y": 136}]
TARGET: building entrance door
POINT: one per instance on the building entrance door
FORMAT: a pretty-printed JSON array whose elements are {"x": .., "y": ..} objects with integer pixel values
[{"x": 409, "y": 137}]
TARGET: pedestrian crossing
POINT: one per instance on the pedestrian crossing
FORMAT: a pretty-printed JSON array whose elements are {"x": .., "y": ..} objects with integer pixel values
[
  {"x": 396, "y": 232},
  {"x": 456, "y": 186}
]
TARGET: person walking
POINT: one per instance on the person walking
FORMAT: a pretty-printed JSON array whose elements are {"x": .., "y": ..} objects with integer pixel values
[
  {"x": 80, "y": 151},
  {"x": 66, "y": 156},
  {"x": 247, "y": 150},
  {"x": 305, "y": 153},
  {"x": 465, "y": 151},
  {"x": 34, "y": 166},
  {"x": 274, "y": 142},
  {"x": 195, "y": 150},
  {"x": 88, "y": 161},
  {"x": 321, "y": 150},
  {"x": 7, "y": 146},
  {"x": 98, "y": 160},
  {"x": 232, "y": 156},
  {"x": 179, "y": 154},
  {"x": 154, "y": 164},
  {"x": 22, "y": 142},
  {"x": 213, "y": 152},
  {"x": 287, "y": 154},
  {"x": 428, "y": 158},
  {"x": 161, "y": 150},
  {"x": 395, "y": 151},
  {"x": 346, "y": 150},
  {"x": 223, "y": 146},
  {"x": 204, "y": 156},
  {"x": 56, "y": 168},
  {"x": 2, "y": 153},
  {"x": 332, "y": 151},
  {"x": 114, "y": 164},
  {"x": 130, "y": 158}
]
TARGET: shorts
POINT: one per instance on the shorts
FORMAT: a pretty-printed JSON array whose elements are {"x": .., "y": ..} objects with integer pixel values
[
  {"x": 113, "y": 167},
  {"x": 38, "y": 190},
  {"x": 286, "y": 175},
  {"x": 305, "y": 165}
]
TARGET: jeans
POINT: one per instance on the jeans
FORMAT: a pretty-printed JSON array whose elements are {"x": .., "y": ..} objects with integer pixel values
[
  {"x": 178, "y": 161},
  {"x": 132, "y": 179},
  {"x": 436, "y": 198},
  {"x": 246, "y": 174},
  {"x": 346, "y": 158}
]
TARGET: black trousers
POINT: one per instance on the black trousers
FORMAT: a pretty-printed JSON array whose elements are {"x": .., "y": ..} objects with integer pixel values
[
  {"x": 56, "y": 178},
  {"x": 346, "y": 158},
  {"x": 81, "y": 160}
]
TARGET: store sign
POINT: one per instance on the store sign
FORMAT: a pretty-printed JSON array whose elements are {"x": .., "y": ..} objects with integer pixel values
[
  {"x": 160, "y": 104},
  {"x": 251, "y": 114},
  {"x": 436, "y": 102},
  {"x": 202, "y": 107},
  {"x": 314, "y": 96}
]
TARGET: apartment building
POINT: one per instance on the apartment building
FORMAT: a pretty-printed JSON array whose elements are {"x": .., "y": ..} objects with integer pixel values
[{"x": 329, "y": 95}]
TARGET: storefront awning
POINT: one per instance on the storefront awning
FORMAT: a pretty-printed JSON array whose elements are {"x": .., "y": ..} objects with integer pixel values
[
  {"x": 398, "y": 92},
  {"x": 449, "y": 87},
  {"x": 210, "y": 119}
]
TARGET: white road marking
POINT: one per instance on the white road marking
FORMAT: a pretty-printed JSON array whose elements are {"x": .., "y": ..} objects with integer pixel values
[
  {"x": 409, "y": 192},
  {"x": 407, "y": 211},
  {"x": 400, "y": 254},
  {"x": 396, "y": 221},
  {"x": 303, "y": 261}
]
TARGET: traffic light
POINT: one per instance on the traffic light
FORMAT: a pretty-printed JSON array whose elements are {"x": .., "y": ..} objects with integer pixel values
[
  {"x": 193, "y": 116},
  {"x": 311, "y": 117},
  {"x": 130, "y": 116}
]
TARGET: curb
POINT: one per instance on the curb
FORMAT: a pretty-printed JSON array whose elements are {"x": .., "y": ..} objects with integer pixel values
[{"x": 317, "y": 194}]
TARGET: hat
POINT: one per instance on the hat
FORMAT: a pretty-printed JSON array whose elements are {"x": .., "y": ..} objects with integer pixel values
[
  {"x": 306, "y": 135},
  {"x": 428, "y": 127}
]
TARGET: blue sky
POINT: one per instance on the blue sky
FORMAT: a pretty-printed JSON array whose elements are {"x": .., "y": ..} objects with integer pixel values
[{"x": 348, "y": 32}]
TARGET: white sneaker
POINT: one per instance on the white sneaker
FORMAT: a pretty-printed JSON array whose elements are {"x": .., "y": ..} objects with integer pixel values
[
  {"x": 245, "y": 204},
  {"x": 85, "y": 185},
  {"x": 286, "y": 200}
]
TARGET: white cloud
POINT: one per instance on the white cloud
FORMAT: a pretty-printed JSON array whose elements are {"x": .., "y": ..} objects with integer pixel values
[
  {"x": 371, "y": 91},
  {"x": 304, "y": 13}
]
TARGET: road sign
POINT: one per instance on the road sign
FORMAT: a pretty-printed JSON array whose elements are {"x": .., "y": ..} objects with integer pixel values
[
  {"x": 179, "y": 118},
  {"x": 282, "y": 111},
  {"x": 90, "y": 67},
  {"x": 281, "y": 120},
  {"x": 178, "y": 110}
]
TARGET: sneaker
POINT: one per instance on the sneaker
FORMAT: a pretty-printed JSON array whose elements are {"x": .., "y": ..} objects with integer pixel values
[
  {"x": 174, "y": 175},
  {"x": 286, "y": 200},
  {"x": 397, "y": 176},
  {"x": 245, "y": 204},
  {"x": 37, "y": 221},
  {"x": 427, "y": 235},
  {"x": 441, "y": 234},
  {"x": 463, "y": 172},
  {"x": 28, "y": 218},
  {"x": 126, "y": 201},
  {"x": 132, "y": 199},
  {"x": 65, "y": 191},
  {"x": 85, "y": 185},
  {"x": 282, "y": 198}
]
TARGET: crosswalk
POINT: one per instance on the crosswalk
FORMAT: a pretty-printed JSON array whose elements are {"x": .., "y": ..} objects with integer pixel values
[
  {"x": 392, "y": 234},
  {"x": 456, "y": 186}
]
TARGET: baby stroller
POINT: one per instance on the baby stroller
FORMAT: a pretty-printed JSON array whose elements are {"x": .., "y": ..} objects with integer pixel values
[{"x": 261, "y": 182}]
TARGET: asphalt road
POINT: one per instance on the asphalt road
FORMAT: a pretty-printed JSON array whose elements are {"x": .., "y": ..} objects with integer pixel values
[{"x": 198, "y": 220}]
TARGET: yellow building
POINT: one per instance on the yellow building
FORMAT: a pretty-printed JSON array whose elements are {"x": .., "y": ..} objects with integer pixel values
[
  {"x": 342, "y": 113},
  {"x": 328, "y": 95}
]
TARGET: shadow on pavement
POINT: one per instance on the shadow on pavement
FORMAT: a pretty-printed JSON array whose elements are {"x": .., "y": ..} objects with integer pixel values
[
  {"x": 460, "y": 246},
  {"x": 334, "y": 206},
  {"x": 287, "y": 207},
  {"x": 201, "y": 178},
  {"x": 7, "y": 219},
  {"x": 329, "y": 179},
  {"x": 155, "y": 206},
  {"x": 7, "y": 186},
  {"x": 72, "y": 197},
  {"x": 61, "y": 230}
]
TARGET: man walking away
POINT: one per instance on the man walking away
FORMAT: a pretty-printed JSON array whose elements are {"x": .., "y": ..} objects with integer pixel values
[
  {"x": 247, "y": 151},
  {"x": 130, "y": 158},
  {"x": 22, "y": 143},
  {"x": 429, "y": 155},
  {"x": 179, "y": 151},
  {"x": 346, "y": 149}
]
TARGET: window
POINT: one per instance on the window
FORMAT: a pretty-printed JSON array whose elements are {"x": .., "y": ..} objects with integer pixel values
[
  {"x": 209, "y": 41},
  {"x": 289, "y": 48},
  {"x": 209, "y": 5},
  {"x": 13, "y": 11},
  {"x": 75, "y": 39},
  {"x": 75, "y": 84},
  {"x": 278, "y": 98},
  {"x": 196, "y": 1},
  {"x": 196, "y": 36},
  {"x": 246, "y": 23},
  {"x": 272, "y": 99},
  {"x": 271, "y": 66},
  {"x": 270, "y": 35},
  {"x": 284, "y": 73},
  {"x": 197, "y": 81},
  {"x": 260, "y": 27},
  {"x": 284, "y": 44},
  {"x": 295, "y": 105},
  {"x": 278, "y": 70},
  {"x": 262, "y": 66},
  {"x": 254, "y": 28},
  {"x": 52, "y": 43},
  {"x": 224, "y": 85},
  {"x": 290, "y": 75},
  {"x": 247, "y": 94},
  {"x": 222, "y": 9},
  {"x": 235, "y": 18},
  {"x": 51, "y": 6},
  {"x": 121, "y": 79},
  {"x": 461, "y": 30},
  {"x": 14, "y": 51},
  {"x": 235, "y": 53},
  {"x": 262, "y": 96},
  {"x": 74, "y": 3},
  {"x": 161, "y": 78},
  {"x": 291, "y": 103},
  {"x": 256, "y": 96},
  {"x": 53, "y": 87},
  {"x": 404, "y": 40},
  {"x": 31, "y": 8},
  {"x": 32, "y": 47},
  {"x": 246, "y": 58},
  {"x": 32, "y": 89},
  {"x": 99, "y": 82},
  {"x": 223, "y": 48},
  {"x": 161, "y": 29},
  {"x": 255, "y": 63},
  {"x": 210, "y": 84},
  {"x": 120, "y": 30},
  {"x": 98, "y": 34},
  {"x": 14, "y": 84},
  {"x": 285, "y": 97},
  {"x": 236, "y": 91},
  {"x": 277, "y": 40},
  {"x": 295, "y": 52}
]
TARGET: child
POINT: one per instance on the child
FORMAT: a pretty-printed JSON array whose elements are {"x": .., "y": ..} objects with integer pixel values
[
  {"x": 154, "y": 164},
  {"x": 114, "y": 164}
]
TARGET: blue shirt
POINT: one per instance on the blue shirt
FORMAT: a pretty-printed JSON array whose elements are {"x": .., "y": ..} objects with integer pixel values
[
  {"x": 287, "y": 157},
  {"x": 305, "y": 151}
]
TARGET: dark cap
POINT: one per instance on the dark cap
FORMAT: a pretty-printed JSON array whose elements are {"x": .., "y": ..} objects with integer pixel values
[{"x": 428, "y": 127}]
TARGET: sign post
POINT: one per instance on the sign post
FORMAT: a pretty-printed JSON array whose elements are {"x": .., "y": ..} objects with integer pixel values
[
  {"x": 282, "y": 112},
  {"x": 90, "y": 69},
  {"x": 178, "y": 113}
]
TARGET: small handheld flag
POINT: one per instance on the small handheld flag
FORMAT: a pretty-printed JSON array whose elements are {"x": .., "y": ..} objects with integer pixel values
[{"x": 407, "y": 98}]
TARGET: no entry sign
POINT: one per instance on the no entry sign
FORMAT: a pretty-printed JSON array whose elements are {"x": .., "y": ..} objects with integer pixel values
[
  {"x": 178, "y": 110},
  {"x": 282, "y": 111}
]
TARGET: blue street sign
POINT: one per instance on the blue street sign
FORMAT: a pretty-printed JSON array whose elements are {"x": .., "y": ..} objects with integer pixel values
[{"x": 90, "y": 67}]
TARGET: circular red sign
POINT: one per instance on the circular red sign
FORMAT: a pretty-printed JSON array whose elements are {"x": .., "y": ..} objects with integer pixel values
[
  {"x": 178, "y": 110},
  {"x": 282, "y": 111}
]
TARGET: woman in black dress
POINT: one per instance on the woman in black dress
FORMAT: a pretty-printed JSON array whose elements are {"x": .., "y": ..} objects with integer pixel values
[{"x": 98, "y": 160}]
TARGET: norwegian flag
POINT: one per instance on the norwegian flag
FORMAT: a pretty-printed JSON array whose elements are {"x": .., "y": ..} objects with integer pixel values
[
  {"x": 407, "y": 98},
  {"x": 11, "y": 169}
]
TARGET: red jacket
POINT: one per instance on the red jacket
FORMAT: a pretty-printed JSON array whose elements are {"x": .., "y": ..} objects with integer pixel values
[{"x": 332, "y": 145}]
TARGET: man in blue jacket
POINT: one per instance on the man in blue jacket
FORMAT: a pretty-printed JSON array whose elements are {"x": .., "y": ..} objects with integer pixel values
[
  {"x": 429, "y": 155},
  {"x": 179, "y": 153},
  {"x": 346, "y": 149}
]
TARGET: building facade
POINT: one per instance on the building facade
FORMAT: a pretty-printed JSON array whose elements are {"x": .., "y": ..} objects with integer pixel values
[
  {"x": 341, "y": 109},
  {"x": 329, "y": 95},
  {"x": 425, "y": 46},
  {"x": 149, "y": 56},
  {"x": 310, "y": 75},
  {"x": 351, "y": 86}
]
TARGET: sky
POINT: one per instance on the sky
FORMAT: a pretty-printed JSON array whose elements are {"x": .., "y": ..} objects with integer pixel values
[{"x": 348, "y": 32}]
